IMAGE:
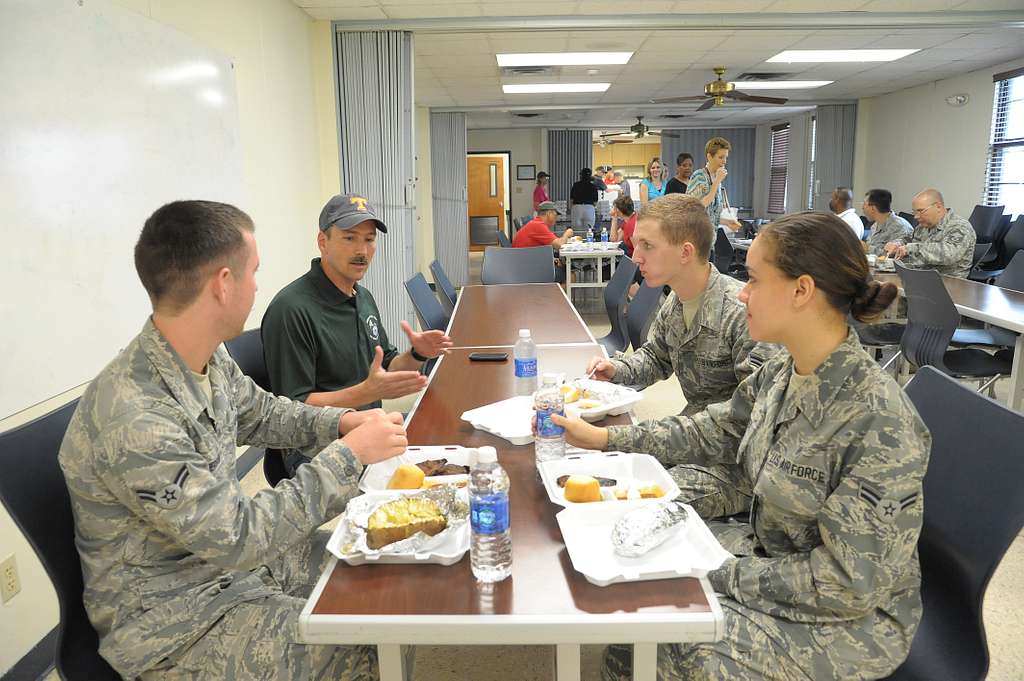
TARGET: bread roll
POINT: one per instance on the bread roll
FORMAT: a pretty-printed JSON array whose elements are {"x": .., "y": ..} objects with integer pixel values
[
  {"x": 408, "y": 476},
  {"x": 582, "y": 489}
]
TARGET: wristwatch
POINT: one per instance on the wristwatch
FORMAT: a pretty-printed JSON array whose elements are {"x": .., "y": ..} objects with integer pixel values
[{"x": 417, "y": 356}]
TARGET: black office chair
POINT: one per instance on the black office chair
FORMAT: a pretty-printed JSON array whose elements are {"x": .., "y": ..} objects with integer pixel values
[
  {"x": 725, "y": 256},
  {"x": 1013, "y": 242},
  {"x": 247, "y": 351},
  {"x": 428, "y": 309},
  {"x": 879, "y": 337},
  {"x": 445, "y": 288},
  {"x": 1013, "y": 276},
  {"x": 985, "y": 219},
  {"x": 932, "y": 320},
  {"x": 909, "y": 217},
  {"x": 503, "y": 239},
  {"x": 968, "y": 526},
  {"x": 616, "y": 297},
  {"x": 33, "y": 491},
  {"x": 534, "y": 265},
  {"x": 641, "y": 312}
]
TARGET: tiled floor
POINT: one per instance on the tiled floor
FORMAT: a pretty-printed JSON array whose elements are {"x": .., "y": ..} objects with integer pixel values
[{"x": 1004, "y": 600}]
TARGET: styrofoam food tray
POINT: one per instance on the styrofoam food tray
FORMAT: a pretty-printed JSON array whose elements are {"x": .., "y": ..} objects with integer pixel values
[
  {"x": 445, "y": 549},
  {"x": 627, "y": 469},
  {"x": 509, "y": 419},
  {"x": 613, "y": 399},
  {"x": 377, "y": 476},
  {"x": 692, "y": 551}
]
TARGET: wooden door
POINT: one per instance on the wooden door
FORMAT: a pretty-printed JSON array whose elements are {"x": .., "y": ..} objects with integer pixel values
[{"x": 486, "y": 185}]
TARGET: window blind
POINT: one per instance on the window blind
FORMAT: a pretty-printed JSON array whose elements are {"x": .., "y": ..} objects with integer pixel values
[
  {"x": 1004, "y": 172},
  {"x": 810, "y": 169},
  {"x": 777, "y": 174}
]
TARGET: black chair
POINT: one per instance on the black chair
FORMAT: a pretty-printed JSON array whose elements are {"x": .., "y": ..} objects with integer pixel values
[
  {"x": 932, "y": 320},
  {"x": 640, "y": 314},
  {"x": 534, "y": 265},
  {"x": 503, "y": 239},
  {"x": 444, "y": 285},
  {"x": 428, "y": 310},
  {"x": 616, "y": 297},
  {"x": 725, "y": 256},
  {"x": 247, "y": 351},
  {"x": 909, "y": 217},
  {"x": 880, "y": 337},
  {"x": 1013, "y": 276},
  {"x": 985, "y": 219},
  {"x": 982, "y": 252},
  {"x": 968, "y": 525},
  {"x": 33, "y": 491},
  {"x": 1013, "y": 242}
]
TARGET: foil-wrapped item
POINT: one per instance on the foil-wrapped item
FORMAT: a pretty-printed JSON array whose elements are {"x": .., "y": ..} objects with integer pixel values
[
  {"x": 642, "y": 529},
  {"x": 452, "y": 502}
]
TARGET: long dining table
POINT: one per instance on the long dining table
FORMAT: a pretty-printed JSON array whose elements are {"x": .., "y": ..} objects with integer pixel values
[{"x": 545, "y": 601}]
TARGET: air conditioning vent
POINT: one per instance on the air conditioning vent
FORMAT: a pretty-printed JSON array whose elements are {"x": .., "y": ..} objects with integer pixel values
[
  {"x": 525, "y": 114},
  {"x": 513, "y": 71},
  {"x": 753, "y": 75}
]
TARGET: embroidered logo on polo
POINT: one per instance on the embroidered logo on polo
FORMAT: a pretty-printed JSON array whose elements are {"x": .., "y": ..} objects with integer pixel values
[
  {"x": 168, "y": 496},
  {"x": 373, "y": 327},
  {"x": 887, "y": 508}
]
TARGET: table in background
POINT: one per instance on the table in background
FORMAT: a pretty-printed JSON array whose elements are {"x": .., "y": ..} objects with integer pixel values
[
  {"x": 997, "y": 306},
  {"x": 545, "y": 601},
  {"x": 599, "y": 254}
]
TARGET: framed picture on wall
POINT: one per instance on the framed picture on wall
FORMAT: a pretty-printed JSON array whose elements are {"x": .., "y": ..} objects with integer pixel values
[{"x": 526, "y": 172}]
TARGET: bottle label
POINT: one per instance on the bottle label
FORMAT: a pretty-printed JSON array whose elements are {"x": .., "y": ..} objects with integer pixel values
[
  {"x": 545, "y": 426},
  {"x": 489, "y": 513},
  {"x": 526, "y": 368}
]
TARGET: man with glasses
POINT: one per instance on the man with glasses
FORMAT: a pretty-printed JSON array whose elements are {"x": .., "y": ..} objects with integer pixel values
[
  {"x": 942, "y": 240},
  {"x": 886, "y": 226}
]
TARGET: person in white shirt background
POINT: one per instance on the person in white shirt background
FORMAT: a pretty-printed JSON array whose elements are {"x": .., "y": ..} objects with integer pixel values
[{"x": 842, "y": 205}]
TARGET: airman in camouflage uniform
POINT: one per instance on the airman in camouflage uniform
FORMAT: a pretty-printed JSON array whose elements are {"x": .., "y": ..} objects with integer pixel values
[
  {"x": 942, "y": 240},
  {"x": 709, "y": 359},
  {"x": 836, "y": 461},
  {"x": 185, "y": 575},
  {"x": 894, "y": 228}
]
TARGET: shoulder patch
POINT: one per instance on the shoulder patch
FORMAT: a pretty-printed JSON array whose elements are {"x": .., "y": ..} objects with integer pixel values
[
  {"x": 168, "y": 496},
  {"x": 887, "y": 508}
]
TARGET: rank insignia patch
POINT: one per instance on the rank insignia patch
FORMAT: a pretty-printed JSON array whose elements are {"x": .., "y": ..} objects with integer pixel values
[
  {"x": 887, "y": 508},
  {"x": 168, "y": 496}
]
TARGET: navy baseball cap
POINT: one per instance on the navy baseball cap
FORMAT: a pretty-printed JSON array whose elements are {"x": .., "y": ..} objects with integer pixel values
[{"x": 345, "y": 211}]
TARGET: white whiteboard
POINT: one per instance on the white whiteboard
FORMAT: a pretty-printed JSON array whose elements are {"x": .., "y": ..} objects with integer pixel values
[{"x": 105, "y": 116}]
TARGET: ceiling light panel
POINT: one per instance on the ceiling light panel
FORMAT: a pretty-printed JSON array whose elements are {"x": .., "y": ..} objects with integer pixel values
[
  {"x": 820, "y": 56},
  {"x": 534, "y": 88},
  {"x": 780, "y": 84},
  {"x": 564, "y": 58}
]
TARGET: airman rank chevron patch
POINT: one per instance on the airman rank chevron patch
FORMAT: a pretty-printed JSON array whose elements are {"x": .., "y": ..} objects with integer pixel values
[{"x": 887, "y": 508}]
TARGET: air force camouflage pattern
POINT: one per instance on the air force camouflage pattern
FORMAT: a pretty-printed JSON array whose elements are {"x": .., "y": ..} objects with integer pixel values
[
  {"x": 894, "y": 228},
  {"x": 948, "y": 247},
  {"x": 185, "y": 575},
  {"x": 709, "y": 360},
  {"x": 832, "y": 587}
]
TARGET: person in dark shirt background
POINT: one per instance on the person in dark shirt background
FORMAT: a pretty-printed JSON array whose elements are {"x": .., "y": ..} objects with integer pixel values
[
  {"x": 582, "y": 199},
  {"x": 684, "y": 168}
]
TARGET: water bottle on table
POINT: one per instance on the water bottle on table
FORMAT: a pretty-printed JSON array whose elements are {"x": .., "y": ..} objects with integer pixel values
[
  {"x": 590, "y": 235},
  {"x": 525, "y": 355},
  {"x": 604, "y": 235},
  {"x": 549, "y": 443},
  {"x": 490, "y": 549}
]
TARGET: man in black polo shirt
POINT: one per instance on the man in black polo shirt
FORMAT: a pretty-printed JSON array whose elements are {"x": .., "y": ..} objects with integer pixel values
[{"x": 323, "y": 340}]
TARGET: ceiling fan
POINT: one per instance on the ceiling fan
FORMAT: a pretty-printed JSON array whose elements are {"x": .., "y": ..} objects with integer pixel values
[
  {"x": 636, "y": 131},
  {"x": 715, "y": 93}
]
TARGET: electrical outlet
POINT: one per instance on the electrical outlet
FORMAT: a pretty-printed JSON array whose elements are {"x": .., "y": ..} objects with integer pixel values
[{"x": 10, "y": 584}]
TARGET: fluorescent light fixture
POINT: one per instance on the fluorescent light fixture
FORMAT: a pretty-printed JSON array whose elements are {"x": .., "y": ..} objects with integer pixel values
[
  {"x": 563, "y": 58},
  {"x": 821, "y": 56},
  {"x": 779, "y": 84},
  {"x": 531, "y": 88}
]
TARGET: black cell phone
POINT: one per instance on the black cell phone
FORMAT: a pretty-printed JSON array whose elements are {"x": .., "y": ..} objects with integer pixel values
[{"x": 488, "y": 356}]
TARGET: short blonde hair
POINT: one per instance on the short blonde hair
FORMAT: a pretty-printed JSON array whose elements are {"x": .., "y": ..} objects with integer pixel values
[
  {"x": 682, "y": 218},
  {"x": 716, "y": 144}
]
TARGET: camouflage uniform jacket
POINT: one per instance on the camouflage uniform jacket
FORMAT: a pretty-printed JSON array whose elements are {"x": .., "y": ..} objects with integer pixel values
[
  {"x": 948, "y": 247},
  {"x": 168, "y": 540},
  {"x": 709, "y": 359},
  {"x": 836, "y": 470},
  {"x": 894, "y": 228}
]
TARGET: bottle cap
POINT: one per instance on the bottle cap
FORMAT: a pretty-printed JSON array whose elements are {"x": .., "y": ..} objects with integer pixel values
[
  {"x": 524, "y": 333},
  {"x": 486, "y": 455},
  {"x": 551, "y": 378}
]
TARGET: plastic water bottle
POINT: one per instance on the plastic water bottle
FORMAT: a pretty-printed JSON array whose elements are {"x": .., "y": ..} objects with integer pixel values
[
  {"x": 549, "y": 442},
  {"x": 490, "y": 549},
  {"x": 590, "y": 235},
  {"x": 604, "y": 235},
  {"x": 525, "y": 354}
]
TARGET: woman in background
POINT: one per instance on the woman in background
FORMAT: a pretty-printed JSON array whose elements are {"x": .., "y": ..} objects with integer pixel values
[
  {"x": 706, "y": 183},
  {"x": 582, "y": 199},
  {"x": 684, "y": 170},
  {"x": 540, "y": 192},
  {"x": 652, "y": 186}
]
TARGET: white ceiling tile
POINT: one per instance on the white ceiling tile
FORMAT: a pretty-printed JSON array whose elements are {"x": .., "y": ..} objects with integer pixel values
[
  {"x": 836, "y": 40},
  {"x": 464, "y": 46},
  {"x": 988, "y": 41},
  {"x": 802, "y": 6},
  {"x": 346, "y": 13},
  {"x": 704, "y": 7},
  {"x": 431, "y": 11},
  {"x": 598, "y": 7},
  {"x": 686, "y": 41}
]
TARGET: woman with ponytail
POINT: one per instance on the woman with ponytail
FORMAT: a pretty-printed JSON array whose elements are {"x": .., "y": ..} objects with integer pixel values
[{"x": 825, "y": 582}]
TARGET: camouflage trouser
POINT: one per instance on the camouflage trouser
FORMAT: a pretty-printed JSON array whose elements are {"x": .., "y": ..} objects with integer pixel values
[
  {"x": 713, "y": 491},
  {"x": 759, "y": 647},
  {"x": 258, "y": 639}
]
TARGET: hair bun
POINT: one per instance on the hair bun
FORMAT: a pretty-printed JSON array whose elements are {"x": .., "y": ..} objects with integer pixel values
[{"x": 872, "y": 299}]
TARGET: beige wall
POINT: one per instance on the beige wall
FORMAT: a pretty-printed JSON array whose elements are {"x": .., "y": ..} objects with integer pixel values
[
  {"x": 527, "y": 148},
  {"x": 912, "y": 139},
  {"x": 284, "y": 73}
]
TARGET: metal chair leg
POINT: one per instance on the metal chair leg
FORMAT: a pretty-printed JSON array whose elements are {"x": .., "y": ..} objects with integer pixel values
[{"x": 991, "y": 386}]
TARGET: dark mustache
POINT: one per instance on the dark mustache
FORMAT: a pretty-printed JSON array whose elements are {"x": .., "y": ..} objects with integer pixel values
[{"x": 357, "y": 261}]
